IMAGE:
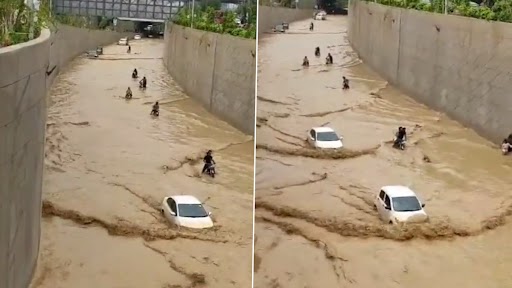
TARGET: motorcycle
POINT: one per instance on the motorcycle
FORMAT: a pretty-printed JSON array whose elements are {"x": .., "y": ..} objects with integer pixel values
[
  {"x": 155, "y": 113},
  {"x": 128, "y": 96},
  {"x": 141, "y": 86},
  {"x": 317, "y": 52},
  {"x": 134, "y": 76},
  {"x": 399, "y": 145},
  {"x": 211, "y": 170}
]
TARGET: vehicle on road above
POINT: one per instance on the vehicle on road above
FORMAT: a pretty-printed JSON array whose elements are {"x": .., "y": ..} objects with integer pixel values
[
  {"x": 286, "y": 26},
  {"x": 399, "y": 204},
  {"x": 99, "y": 50},
  {"x": 137, "y": 37},
  {"x": 324, "y": 138},
  {"x": 92, "y": 54},
  {"x": 123, "y": 41},
  {"x": 186, "y": 211},
  {"x": 321, "y": 15},
  {"x": 279, "y": 28}
]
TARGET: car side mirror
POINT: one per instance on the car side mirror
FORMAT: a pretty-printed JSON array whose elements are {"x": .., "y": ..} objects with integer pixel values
[
  {"x": 173, "y": 213},
  {"x": 387, "y": 207},
  {"x": 422, "y": 205},
  {"x": 209, "y": 213}
]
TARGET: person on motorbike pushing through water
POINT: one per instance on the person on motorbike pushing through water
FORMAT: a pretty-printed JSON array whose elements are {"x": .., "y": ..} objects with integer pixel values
[
  {"x": 208, "y": 161},
  {"x": 129, "y": 49},
  {"x": 317, "y": 51},
  {"x": 143, "y": 82},
  {"x": 135, "y": 73},
  {"x": 305, "y": 61},
  {"x": 311, "y": 26},
  {"x": 328, "y": 59},
  {"x": 401, "y": 135},
  {"x": 345, "y": 83},
  {"x": 156, "y": 109},
  {"x": 128, "y": 94}
]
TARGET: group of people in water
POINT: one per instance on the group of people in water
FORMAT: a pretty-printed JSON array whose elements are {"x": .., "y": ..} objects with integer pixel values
[
  {"x": 142, "y": 85},
  {"x": 328, "y": 61}
]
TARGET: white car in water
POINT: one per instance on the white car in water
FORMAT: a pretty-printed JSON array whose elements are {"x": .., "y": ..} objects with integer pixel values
[
  {"x": 137, "y": 37},
  {"x": 186, "y": 211},
  {"x": 123, "y": 41},
  {"x": 399, "y": 204},
  {"x": 324, "y": 138}
]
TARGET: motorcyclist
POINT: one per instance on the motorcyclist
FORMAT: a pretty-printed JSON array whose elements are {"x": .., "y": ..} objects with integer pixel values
[
  {"x": 156, "y": 109},
  {"x": 129, "y": 49},
  {"x": 506, "y": 146},
  {"x": 305, "y": 61},
  {"x": 208, "y": 161},
  {"x": 311, "y": 26},
  {"x": 345, "y": 83},
  {"x": 143, "y": 82},
  {"x": 317, "y": 51},
  {"x": 128, "y": 94},
  {"x": 135, "y": 73},
  {"x": 328, "y": 59},
  {"x": 400, "y": 136}
]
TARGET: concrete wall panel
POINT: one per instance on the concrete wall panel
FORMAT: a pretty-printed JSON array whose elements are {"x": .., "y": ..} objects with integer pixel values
[
  {"x": 216, "y": 70},
  {"x": 23, "y": 89},
  {"x": 457, "y": 65},
  {"x": 269, "y": 17}
]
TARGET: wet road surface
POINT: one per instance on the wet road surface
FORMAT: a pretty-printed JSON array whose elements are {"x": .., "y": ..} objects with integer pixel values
[
  {"x": 108, "y": 166},
  {"x": 315, "y": 221}
]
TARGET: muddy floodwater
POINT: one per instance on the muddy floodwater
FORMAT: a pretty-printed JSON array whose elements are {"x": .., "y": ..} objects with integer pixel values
[
  {"x": 108, "y": 166},
  {"x": 315, "y": 221}
]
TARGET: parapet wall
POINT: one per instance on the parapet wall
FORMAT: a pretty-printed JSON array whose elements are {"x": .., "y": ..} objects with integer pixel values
[
  {"x": 269, "y": 17},
  {"x": 24, "y": 83},
  {"x": 215, "y": 69},
  {"x": 457, "y": 65}
]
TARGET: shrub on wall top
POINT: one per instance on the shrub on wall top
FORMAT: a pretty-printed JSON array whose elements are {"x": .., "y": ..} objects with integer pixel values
[
  {"x": 210, "y": 20},
  {"x": 500, "y": 10}
]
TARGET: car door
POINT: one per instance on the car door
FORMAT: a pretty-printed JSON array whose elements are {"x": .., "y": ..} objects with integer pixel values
[
  {"x": 312, "y": 137},
  {"x": 172, "y": 207},
  {"x": 387, "y": 212}
]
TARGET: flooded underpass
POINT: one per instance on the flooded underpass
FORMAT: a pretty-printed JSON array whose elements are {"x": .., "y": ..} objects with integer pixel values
[
  {"x": 108, "y": 166},
  {"x": 315, "y": 221}
]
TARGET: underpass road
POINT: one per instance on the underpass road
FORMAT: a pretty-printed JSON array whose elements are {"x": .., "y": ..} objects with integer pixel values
[
  {"x": 108, "y": 166},
  {"x": 315, "y": 221}
]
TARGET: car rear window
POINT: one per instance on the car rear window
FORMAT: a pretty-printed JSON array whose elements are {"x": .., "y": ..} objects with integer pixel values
[
  {"x": 406, "y": 204},
  {"x": 327, "y": 136},
  {"x": 192, "y": 210}
]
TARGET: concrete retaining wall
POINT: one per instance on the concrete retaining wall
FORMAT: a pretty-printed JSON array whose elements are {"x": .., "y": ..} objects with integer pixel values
[
  {"x": 269, "y": 17},
  {"x": 23, "y": 89},
  {"x": 216, "y": 70},
  {"x": 454, "y": 64}
]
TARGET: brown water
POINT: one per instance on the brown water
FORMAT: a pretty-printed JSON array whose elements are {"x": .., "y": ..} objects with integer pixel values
[
  {"x": 315, "y": 222},
  {"x": 109, "y": 165}
]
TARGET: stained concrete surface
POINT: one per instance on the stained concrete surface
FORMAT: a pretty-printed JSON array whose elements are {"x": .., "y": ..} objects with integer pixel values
[
  {"x": 108, "y": 166},
  {"x": 316, "y": 224},
  {"x": 457, "y": 65},
  {"x": 215, "y": 69},
  {"x": 23, "y": 86}
]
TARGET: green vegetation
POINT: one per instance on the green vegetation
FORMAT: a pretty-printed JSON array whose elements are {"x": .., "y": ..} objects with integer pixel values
[
  {"x": 15, "y": 26},
  {"x": 500, "y": 10},
  {"x": 209, "y": 18}
]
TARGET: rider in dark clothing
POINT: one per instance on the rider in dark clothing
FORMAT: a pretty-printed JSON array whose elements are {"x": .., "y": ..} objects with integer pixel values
[
  {"x": 401, "y": 135},
  {"x": 128, "y": 94},
  {"x": 345, "y": 83},
  {"x": 135, "y": 73},
  {"x": 129, "y": 49},
  {"x": 305, "y": 61},
  {"x": 143, "y": 82},
  {"x": 208, "y": 161},
  {"x": 317, "y": 51},
  {"x": 311, "y": 26},
  {"x": 156, "y": 109},
  {"x": 329, "y": 58}
]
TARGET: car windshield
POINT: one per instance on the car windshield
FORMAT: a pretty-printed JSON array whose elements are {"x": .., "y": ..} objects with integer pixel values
[
  {"x": 327, "y": 136},
  {"x": 192, "y": 210},
  {"x": 406, "y": 204}
]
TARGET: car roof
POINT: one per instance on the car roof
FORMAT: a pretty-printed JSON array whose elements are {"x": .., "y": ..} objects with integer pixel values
[
  {"x": 398, "y": 191},
  {"x": 323, "y": 129},
  {"x": 185, "y": 199}
]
